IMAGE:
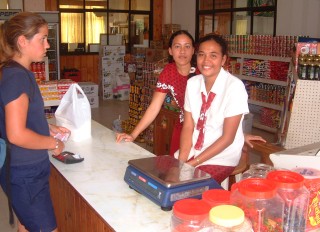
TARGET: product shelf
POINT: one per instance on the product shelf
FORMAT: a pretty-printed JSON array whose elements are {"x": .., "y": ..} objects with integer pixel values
[{"x": 262, "y": 80}]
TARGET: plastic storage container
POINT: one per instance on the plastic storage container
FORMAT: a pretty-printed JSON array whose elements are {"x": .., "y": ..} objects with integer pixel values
[
  {"x": 257, "y": 170},
  {"x": 227, "y": 218},
  {"x": 262, "y": 205},
  {"x": 216, "y": 197},
  {"x": 189, "y": 215},
  {"x": 296, "y": 197}
]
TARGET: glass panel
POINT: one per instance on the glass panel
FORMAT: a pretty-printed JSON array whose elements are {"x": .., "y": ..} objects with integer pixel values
[
  {"x": 72, "y": 30},
  {"x": 241, "y": 23},
  {"x": 222, "y": 23},
  {"x": 222, "y": 4},
  {"x": 205, "y": 4},
  {"x": 96, "y": 4},
  {"x": 140, "y": 5},
  {"x": 119, "y": 4},
  {"x": 71, "y": 4},
  {"x": 257, "y": 3},
  {"x": 96, "y": 24},
  {"x": 263, "y": 23},
  {"x": 118, "y": 24},
  {"x": 139, "y": 30},
  {"x": 205, "y": 24},
  {"x": 241, "y": 3}
]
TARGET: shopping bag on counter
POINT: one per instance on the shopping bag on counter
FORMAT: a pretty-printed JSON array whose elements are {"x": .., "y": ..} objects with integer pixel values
[{"x": 74, "y": 113}]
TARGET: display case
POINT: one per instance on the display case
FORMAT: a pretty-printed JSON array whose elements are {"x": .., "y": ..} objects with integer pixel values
[{"x": 52, "y": 18}]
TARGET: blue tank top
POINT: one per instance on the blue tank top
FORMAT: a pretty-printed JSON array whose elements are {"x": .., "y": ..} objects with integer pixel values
[{"x": 15, "y": 81}]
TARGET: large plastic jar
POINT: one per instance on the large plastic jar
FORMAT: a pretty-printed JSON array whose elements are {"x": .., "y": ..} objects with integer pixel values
[
  {"x": 216, "y": 197},
  {"x": 189, "y": 215},
  {"x": 262, "y": 205},
  {"x": 296, "y": 199},
  {"x": 257, "y": 170},
  {"x": 227, "y": 218}
]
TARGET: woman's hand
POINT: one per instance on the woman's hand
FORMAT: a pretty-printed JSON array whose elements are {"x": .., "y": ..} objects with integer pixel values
[
  {"x": 125, "y": 137},
  {"x": 59, "y": 148},
  {"x": 54, "y": 130},
  {"x": 249, "y": 137}
]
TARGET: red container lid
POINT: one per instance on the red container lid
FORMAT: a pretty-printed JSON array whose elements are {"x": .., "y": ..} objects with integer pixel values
[
  {"x": 216, "y": 196},
  {"x": 286, "y": 179},
  {"x": 191, "y": 209},
  {"x": 257, "y": 188}
]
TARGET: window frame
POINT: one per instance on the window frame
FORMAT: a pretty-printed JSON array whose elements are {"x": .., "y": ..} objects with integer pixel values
[
  {"x": 233, "y": 10},
  {"x": 108, "y": 11}
]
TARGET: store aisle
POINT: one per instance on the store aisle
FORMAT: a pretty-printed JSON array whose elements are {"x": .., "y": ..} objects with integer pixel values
[{"x": 108, "y": 111}]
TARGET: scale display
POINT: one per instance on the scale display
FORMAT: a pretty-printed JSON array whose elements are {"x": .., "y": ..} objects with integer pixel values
[{"x": 165, "y": 180}]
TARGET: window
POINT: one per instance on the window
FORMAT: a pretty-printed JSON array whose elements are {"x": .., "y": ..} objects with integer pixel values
[
  {"x": 237, "y": 17},
  {"x": 122, "y": 21}
]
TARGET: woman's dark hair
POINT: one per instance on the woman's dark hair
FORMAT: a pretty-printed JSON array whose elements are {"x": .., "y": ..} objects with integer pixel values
[
  {"x": 174, "y": 35},
  {"x": 218, "y": 39},
  {"x": 180, "y": 32}
]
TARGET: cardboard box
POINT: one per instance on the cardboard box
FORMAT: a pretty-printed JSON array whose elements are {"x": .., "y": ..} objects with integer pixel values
[
  {"x": 107, "y": 93},
  {"x": 118, "y": 50},
  {"x": 89, "y": 88},
  {"x": 300, "y": 157},
  {"x": 112, "y": 66},
  {"x": 94, "y": 101}
]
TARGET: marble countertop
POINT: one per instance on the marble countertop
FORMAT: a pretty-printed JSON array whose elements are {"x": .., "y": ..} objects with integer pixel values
[{"x": 99, "y": 180}]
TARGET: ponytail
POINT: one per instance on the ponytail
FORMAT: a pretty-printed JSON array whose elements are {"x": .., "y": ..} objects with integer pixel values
[{"x": 6, "y": 52}]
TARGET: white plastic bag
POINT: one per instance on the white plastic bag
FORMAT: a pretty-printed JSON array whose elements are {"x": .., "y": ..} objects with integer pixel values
[{"x": 74, "y": 113}]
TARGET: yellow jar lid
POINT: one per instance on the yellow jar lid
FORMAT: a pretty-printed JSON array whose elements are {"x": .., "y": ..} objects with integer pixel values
[{"x": 226, "y": 215}]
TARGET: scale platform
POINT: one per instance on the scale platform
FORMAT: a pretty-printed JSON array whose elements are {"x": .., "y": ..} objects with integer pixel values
[{"x": 165, "y": 180}]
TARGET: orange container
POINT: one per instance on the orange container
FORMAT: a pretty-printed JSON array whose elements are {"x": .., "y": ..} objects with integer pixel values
[
  {"x": 216, "y": 197},
  {"x": 189, "y": 215}
]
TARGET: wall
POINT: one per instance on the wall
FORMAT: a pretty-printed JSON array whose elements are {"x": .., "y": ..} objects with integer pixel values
[
  {"x": 294, "y": 17},
  {"x": 15, "y": 4},
  {"x": 184, "y": 13},
  {"x": 34, "y": 5}
]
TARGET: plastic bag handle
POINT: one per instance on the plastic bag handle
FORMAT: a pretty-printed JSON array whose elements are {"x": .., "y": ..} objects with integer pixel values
[{"x": 77, "y": 87}]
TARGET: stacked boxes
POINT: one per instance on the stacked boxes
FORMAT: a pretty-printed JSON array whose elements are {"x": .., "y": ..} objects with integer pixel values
[
  {"x": 91, "y": 91},
  {"x": 112, "y": 64}
]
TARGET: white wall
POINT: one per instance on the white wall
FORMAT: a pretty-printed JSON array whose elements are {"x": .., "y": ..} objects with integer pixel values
[
  {"x": 15, "y": 4},
  {"x": 184, "y": 13},
  {"x": 294, "y": 17},
  {"x": 34, "y": 5}
]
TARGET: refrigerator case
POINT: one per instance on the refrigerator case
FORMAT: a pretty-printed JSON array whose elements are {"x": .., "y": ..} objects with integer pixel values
[
  {"x": 53, "y": 52},
  {"x": 52, "y": 17}
]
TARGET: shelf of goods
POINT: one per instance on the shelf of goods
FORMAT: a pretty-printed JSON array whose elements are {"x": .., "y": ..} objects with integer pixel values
[
  {"x": 141, "y": 91},
  {"x": 267, "y": 81}
]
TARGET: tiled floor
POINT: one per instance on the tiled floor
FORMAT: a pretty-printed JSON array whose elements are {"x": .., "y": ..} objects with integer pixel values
[{"x": 107, "y": 112}]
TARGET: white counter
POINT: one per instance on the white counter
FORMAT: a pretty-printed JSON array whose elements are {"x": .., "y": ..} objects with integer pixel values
[{"x": 99, "y": 180}]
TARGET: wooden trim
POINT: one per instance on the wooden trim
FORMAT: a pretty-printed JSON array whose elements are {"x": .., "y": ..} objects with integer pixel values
[
  {"x": 265, "y": 149},
  {"x": 73, "y": 213}
]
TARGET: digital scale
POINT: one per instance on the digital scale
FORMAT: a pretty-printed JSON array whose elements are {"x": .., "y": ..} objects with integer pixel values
[{"x": 165, "y": 180}]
